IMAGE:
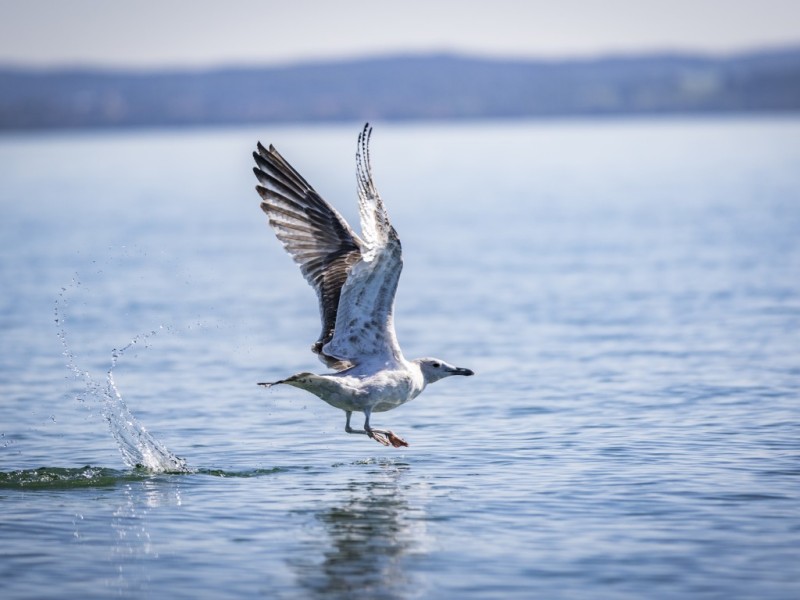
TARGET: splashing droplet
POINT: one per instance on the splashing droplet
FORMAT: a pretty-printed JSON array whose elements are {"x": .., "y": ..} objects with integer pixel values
[{"x": 139, "y": 449}]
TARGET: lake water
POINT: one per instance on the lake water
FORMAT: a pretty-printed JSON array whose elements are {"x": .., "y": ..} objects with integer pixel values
[{"x": 628, "y": 293}]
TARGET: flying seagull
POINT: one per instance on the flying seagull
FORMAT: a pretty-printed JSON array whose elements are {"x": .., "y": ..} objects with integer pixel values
[{"x": 355, "y": 279}]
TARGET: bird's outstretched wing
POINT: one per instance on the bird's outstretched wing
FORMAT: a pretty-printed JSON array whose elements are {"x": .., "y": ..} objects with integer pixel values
[
  {"x": 315, "y": 235},
  {"x": 355, "y": 280},
  {"x": 365, "y": 323}
]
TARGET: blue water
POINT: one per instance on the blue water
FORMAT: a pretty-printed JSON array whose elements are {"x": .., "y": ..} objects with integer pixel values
[{"x": 628, "y": 293}]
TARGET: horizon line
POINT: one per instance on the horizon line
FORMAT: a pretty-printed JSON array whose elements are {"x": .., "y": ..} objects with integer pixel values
[{"x": 548, "y": 58}]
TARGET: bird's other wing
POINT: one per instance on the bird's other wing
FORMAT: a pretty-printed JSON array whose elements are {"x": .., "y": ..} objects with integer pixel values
[
  {"x": 365, "y": 321},
  {"x": 315, "y": 235},
  {"x": 375, "y": 226}
]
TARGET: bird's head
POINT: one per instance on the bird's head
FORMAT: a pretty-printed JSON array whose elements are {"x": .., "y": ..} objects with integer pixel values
[{"x": 434, "y": 369}]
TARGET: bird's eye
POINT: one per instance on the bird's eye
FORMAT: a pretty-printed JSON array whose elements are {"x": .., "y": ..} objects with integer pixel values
[{"x": 436, "y": 365}]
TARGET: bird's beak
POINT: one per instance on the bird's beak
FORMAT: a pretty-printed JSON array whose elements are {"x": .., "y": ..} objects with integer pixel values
[{"x": 461, "y": 371}]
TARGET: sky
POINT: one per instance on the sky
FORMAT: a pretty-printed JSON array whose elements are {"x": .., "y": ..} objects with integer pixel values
[{"x": 203, "y": 33}]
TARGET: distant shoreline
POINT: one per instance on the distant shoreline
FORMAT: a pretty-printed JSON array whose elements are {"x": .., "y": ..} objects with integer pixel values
[{"x": 403, "y": 88}]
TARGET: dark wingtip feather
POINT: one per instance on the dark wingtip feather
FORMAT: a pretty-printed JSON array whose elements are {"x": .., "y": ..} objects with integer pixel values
[
  {"x": 365, "y": 133},
  {"x": 263, "y": 161}
]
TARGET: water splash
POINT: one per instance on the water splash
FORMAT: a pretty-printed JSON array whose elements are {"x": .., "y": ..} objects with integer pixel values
[
  {"x": 91, "y": 476},
  {"x": 59, "y": 477},
  {"x": 139, "y": 448}
]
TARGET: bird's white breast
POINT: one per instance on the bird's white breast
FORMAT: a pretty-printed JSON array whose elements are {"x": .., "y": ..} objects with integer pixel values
[{"x": 378, "y": 391}]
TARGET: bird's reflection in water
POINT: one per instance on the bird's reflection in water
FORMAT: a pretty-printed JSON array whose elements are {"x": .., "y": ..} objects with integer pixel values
[{"x": 371, "y": 535}]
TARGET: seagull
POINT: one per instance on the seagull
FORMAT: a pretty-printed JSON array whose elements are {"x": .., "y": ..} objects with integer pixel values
[{"x": 355, "y": 279}]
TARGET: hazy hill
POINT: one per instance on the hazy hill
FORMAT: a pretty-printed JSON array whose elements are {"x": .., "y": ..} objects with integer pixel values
[{"x": 405, "y": 87}]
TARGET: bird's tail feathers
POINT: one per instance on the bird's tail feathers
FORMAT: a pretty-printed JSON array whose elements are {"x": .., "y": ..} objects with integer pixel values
[
  {"x": 269, "y": 384},
  {"x": 297, "y": 380}
]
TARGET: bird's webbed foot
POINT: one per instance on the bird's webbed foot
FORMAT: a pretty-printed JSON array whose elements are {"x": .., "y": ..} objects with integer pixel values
[
  {"x": 382, "y": 436},
  {"x": 386, "y": 437}
]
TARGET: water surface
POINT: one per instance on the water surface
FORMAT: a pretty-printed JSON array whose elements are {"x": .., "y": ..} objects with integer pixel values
[{"x": 628, "y": 293}]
